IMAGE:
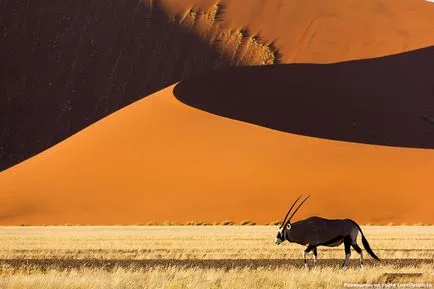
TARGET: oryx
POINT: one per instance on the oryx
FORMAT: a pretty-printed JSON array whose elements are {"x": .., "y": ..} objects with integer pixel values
[{"x": 316, "y": 231}]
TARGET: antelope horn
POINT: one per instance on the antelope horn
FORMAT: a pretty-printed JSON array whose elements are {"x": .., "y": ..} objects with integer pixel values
[
  {"x": 297, "y": 209},
  {"x": 284, "y": 220}
]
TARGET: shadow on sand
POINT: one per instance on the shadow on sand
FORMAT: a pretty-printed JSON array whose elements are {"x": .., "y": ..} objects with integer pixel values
[{"x": 383, "y": 101}]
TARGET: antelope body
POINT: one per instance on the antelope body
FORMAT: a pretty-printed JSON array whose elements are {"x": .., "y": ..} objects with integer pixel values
[{"x": 316, "y": 231}]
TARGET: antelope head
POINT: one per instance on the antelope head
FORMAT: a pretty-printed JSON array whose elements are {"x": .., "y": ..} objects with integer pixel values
[{"x": 286, "y": 223}]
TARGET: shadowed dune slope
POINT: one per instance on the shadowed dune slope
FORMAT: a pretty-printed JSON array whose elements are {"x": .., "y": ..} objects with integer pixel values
[
  {"x": 160, "y": 159},
  {"x": 385, "y": 101}
]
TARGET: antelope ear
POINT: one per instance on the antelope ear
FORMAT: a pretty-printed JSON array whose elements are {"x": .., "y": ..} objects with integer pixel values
[{"x": 288, "y": 227}]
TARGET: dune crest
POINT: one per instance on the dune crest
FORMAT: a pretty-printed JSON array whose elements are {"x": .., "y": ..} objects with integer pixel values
[{"x": 315, "y": 31}]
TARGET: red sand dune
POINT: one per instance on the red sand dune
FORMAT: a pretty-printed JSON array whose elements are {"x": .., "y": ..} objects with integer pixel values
[
  {"x": 159, "y": 159},
  {"x": 65, "y": 65}
]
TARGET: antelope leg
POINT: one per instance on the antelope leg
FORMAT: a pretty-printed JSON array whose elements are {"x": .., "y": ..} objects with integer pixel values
[
  {"x": 315, "y": 256},
  {"x": 359, "y": 251},
  {"x": 347, "y": 244},
  {"x": 305, "y": 252}
]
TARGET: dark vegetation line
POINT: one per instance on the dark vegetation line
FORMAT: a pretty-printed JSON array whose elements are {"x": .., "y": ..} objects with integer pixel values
[
  {"x": 221, "y": 223},
  {"x": 110, "y": 264}
]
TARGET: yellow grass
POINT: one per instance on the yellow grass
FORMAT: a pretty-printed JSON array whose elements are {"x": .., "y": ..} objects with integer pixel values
[
  {"x": 200, "y": 243},
  {"x": 207, "y": 242},
  {"x": 175, "y": 277}
]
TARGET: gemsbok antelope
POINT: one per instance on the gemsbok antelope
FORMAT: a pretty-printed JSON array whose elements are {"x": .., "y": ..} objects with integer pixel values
[{"x": 316, "y": 231}]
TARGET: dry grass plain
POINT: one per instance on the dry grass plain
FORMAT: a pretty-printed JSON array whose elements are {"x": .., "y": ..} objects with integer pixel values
[{"x": 201, "y": 257}]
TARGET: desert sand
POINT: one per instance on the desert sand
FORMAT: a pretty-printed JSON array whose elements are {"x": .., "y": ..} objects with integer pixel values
[{"x": 162, "y": 160}]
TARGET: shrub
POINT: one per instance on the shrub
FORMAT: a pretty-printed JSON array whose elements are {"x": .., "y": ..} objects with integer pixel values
[{"x": 247, "y": 223}]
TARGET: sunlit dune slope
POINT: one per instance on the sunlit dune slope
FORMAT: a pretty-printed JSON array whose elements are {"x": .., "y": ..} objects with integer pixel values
[
  {"x": 328, "y": 31},
  {"x": 159, "y": 159}
]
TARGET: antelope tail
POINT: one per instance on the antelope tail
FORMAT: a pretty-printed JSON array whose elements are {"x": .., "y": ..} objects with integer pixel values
[{"x": 366, "y": 244}]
